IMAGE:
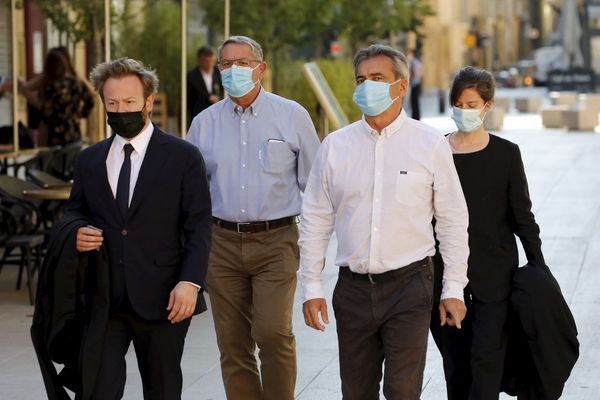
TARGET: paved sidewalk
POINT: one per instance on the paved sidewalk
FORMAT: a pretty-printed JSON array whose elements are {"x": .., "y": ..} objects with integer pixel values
[{"x": 563, "y": 169}]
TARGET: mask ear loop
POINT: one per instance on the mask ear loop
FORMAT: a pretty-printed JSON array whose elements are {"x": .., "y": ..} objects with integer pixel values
[
  {"x": 393, "y": 83},
  {"x": 253, "y": 69},
  {"x": 486, "y": 113}
]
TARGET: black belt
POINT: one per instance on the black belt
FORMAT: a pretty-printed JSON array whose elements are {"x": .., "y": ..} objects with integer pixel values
[
  {"x": 385, "y": 276},
  {"x": 253, "y": 227}
]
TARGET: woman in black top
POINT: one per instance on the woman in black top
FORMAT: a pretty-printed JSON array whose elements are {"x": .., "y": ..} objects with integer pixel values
[{"x": 495, "y": 187}]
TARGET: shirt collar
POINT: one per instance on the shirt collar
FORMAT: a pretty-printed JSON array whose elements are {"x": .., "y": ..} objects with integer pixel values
[
  {"x": 254, "y": 108},
  {"x": 389, "y": 130},
  {"x": 139, "y": 143}
]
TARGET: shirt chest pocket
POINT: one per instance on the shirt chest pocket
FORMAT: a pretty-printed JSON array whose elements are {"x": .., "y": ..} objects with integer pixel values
[
  {"x": 413, "y": 188},
  {"x": 277, "y": 157}
]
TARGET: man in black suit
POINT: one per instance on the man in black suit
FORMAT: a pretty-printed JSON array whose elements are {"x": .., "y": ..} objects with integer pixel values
[
  {"x": 146, "y": 195},
  {"x": 204, "y": 83}
]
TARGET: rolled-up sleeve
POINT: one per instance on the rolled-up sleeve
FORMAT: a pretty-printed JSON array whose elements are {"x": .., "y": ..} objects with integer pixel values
[
  {"x": 316, "y": 225},
  {"x": 451, "y": 214}
]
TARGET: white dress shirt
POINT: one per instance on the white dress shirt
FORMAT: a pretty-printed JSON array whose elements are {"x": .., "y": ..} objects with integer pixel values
[
  {"x": 208, "y": 80},
  {"x": 379, "y": 193},
  {"x": 116, "y": 155}
]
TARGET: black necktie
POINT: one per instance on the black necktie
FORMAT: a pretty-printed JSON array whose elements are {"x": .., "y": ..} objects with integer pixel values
[{"x": 123, "y": 183}]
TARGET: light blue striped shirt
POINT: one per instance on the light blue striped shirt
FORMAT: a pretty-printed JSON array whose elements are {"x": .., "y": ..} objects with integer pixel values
[{"x": 257, "y": 160}]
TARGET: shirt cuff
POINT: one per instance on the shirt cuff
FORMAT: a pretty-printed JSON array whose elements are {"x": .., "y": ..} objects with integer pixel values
[
  {"x": 453, "y": 290},
  {"x": 312, "y": 290},
  {"x": 193, "y": 284}
]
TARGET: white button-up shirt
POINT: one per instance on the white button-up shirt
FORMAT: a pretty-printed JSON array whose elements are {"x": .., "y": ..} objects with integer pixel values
[
  {"x": 379, "y": 192},
  {"x": 116, "y": 155},
  {"x": 208, "y": 80}
]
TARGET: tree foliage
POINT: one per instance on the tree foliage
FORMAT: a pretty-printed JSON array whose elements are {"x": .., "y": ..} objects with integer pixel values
[
  {"x": 150, "y": 32},
  {"x": 280, "y": 23},
  {"x": 365, "y": 21},
  {"x": 78, "y": 20},
  {"x": 275, "y": 24}
]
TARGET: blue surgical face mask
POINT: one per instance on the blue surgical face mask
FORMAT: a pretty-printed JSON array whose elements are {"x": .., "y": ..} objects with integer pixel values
[
  {"x": 238, "y": 80},
  {"x": 373, "y": 98},
  {"x": 467, "y": 120}
]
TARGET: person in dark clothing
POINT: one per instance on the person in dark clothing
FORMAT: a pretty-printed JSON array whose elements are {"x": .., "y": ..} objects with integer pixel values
[
  {"x": 416, "y": 79},
  {"x": 71, "y": 312},
  {"x": 495, "y": 187},
  {"x": 204, "y": 83},
  {"x": 146, "y": 194}
]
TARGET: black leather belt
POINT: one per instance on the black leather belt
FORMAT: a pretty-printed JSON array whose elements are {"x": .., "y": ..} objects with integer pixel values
[
  {"x": 253, "y": 227},
  {"x": 385, "y": 276}
]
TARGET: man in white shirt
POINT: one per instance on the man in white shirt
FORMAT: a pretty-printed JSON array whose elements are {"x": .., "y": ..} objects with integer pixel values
[{"x": 378, "y": 183}]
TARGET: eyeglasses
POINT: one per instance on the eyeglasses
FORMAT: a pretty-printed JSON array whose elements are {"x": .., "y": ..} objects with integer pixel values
[{"x": 240, "y": 62}]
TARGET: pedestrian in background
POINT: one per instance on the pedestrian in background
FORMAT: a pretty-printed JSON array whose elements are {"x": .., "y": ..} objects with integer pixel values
[
  {"x": 416, "y": 79},
  {"x": 204, "y": 83}
]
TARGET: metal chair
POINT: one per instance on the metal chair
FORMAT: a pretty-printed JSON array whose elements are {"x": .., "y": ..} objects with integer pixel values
[
  {"x": 15, "y": 227},
  {"x": 63, "y": 160}
]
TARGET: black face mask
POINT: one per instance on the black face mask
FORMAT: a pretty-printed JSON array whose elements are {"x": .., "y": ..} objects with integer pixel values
[{"x": 126, "y": 124}]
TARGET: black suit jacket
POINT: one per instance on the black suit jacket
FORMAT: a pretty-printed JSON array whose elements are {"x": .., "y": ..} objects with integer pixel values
[
  {"x": 542, "y": 341},
  {"x": 166, "y": 235},
  {"x": 198, "y": 93},
  {"x": 71, "y": 312},
  {"x": 497, "y": 195}
]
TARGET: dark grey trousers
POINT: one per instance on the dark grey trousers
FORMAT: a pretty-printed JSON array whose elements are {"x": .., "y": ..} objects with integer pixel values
[{"x": 385, "y": 321}]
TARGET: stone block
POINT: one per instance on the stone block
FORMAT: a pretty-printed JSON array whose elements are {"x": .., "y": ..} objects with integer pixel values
[
  {"x": 528, "y": 104},
  {"x": 590, "y": 101},
  {"x": 580, "y": 119},
  {"x": 564, "y": 98},
  {"x": 552, "y": 116},
  {"x": 494, "y": 119},
  {"x": 503, "y": 102}
]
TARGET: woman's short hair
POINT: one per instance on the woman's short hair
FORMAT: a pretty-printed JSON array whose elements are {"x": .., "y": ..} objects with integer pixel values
[
  {"x": 120, "y": 68},
  {"x": 473, "y": 78}
]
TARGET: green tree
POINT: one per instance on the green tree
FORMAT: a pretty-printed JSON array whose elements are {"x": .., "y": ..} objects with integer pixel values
[
  {"x": 78, "y": 20},
  {"x": 278, "y": 25},
  {"x": 363, "y": 21},
  {"x": 150, "y": 31}
]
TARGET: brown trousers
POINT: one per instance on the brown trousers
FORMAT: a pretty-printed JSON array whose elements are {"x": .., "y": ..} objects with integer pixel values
[
  {"x": 383, "y": 321},
  {"x": 251, "y": 283}
]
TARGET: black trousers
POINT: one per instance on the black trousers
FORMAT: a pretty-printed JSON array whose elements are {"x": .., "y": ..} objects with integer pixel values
[
  {"x": 158, "y": 348},
  {"x": 386, "y": 321},
  {"x": 474, "y": 355},
  {"x": 415, "y": 106}
]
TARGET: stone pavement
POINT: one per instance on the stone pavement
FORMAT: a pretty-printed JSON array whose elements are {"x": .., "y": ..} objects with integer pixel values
[{"x": 563, "y": 169}]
